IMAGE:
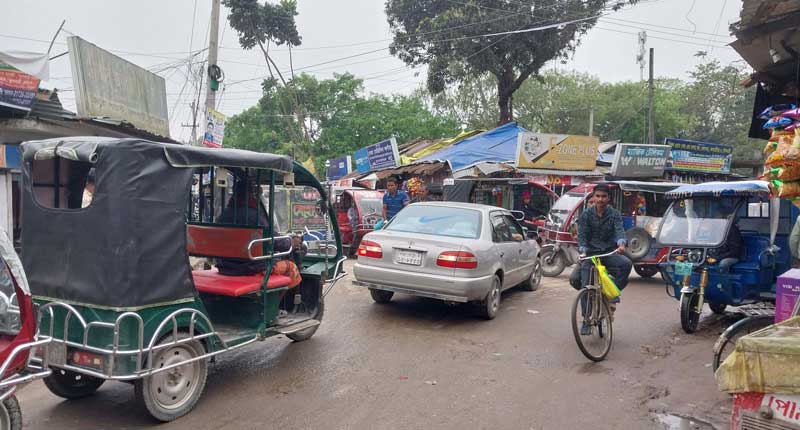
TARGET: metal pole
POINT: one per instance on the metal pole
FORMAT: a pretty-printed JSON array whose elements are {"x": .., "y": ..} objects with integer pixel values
[
  {"x": 651, "y": 132},
  {"x": 591, "y": 121},
  {"x": 53, "y": 40},
  {"x": 212, "y": 51}
]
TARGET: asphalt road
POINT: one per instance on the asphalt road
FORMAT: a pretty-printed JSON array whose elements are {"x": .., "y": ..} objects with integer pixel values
[{"x": 420, "y": 364}]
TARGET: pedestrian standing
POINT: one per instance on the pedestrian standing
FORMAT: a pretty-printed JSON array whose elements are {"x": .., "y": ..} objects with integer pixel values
[{"x": 394, "y": 200}]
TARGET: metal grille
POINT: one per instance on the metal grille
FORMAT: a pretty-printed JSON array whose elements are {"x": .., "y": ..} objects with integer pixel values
[{"x": 753, "y": 421}]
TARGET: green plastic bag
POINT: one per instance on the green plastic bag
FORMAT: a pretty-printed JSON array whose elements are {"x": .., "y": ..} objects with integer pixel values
[{"x": 607, "y": 285}]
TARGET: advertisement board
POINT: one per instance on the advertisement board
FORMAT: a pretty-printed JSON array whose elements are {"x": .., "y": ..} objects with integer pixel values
[
  {"x": 215, "y": 129},
  {"x": 556, "y": 151},
  {"x": 693, "y": 156},
  {"x": 109, "y": 86},
  {"x": 381, "y": 155},
  {"x": 17, "y": 89},
  {"x": 339, "y": 166},
  {"x": 639, "y": 161}
]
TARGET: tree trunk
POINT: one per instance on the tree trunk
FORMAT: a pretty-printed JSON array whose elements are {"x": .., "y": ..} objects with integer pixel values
[{"x": 505, "y": 89}]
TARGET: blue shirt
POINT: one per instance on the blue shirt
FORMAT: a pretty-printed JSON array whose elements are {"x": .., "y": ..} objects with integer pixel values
[
  {"x": 394, "y": 203},
  {"x": 600, "y": 235}
]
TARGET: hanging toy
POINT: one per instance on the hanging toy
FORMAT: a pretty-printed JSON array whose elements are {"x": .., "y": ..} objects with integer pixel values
[
  {"x": 777, "y": 122},
  {"x": 775, "y": 110}
]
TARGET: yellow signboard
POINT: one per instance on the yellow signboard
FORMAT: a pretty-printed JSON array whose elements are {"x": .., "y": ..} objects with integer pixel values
[{"x": 556, "y": 151}]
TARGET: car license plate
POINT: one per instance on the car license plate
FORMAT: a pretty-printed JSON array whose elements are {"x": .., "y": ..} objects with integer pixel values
[
  {"x": 409, "y": 257},
  {"x": 683, "y": 268}
]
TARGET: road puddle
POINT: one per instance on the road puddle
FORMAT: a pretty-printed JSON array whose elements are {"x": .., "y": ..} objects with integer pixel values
[{"x": 676, "y": 422}]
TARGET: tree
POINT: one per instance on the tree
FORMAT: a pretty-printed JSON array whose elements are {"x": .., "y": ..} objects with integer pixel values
[
  {"x": 464, "y": 40},
  {"x": 340, "y": 119}
]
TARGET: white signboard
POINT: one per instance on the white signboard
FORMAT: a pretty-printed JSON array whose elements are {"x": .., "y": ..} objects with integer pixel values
[{"x": 109, "y": 86}]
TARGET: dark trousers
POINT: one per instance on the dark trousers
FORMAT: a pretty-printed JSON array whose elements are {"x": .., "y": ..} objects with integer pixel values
[{"x": 618, "y": 266}]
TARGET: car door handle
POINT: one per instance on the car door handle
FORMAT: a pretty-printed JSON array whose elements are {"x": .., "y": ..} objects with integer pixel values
[{"x": 502, "y": 254}]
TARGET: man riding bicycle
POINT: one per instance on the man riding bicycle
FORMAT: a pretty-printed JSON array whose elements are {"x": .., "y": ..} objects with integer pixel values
[{"x": 600, "y": 231}]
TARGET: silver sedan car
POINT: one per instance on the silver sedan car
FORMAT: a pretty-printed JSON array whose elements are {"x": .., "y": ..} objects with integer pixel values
[{"x": 459, "y": 252}]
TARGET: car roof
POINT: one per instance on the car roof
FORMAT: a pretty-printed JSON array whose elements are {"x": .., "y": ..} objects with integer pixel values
[{"x": 462, "y": 205}]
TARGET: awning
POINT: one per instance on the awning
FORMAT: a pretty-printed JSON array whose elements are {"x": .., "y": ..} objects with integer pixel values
[
  {"x": 649, "y": 187},
  {"x": 594, "y": 172}
]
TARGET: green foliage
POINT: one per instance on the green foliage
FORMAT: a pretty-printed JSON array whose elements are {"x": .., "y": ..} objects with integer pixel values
[
  {"x": 442, "y": 34},
  {"x": 712, "y": 106},
  {"x": 256, "y": 23},
  {"x": 339, "y": 117}
]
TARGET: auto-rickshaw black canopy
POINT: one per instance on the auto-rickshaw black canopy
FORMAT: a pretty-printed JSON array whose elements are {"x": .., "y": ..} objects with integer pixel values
[{"x": 127, "y": 249}]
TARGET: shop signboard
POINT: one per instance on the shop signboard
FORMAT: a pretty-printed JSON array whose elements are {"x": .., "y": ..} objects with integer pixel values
[
  {"x": 215, "y": 129},
  {"x": 639, "y": 161},
  {"x": 382, "y": 155},
  {"x": 17, "y": 89},
  {"x": 703, "y": 157},
  {"x": 338, "y": 167},
  {"x": 556, "y": 151},
  {"x": 110, "y": 86}
]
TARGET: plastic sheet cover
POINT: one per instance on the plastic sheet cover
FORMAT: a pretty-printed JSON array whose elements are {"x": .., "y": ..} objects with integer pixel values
[{"x": 764, "y": 362}]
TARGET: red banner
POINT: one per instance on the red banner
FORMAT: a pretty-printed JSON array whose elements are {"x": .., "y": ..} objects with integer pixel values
[{"x": 17, "y": 89}]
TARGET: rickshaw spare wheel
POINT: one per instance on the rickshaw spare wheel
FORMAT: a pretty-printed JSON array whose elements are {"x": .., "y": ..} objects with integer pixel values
[{"x": 639, "y": 242}]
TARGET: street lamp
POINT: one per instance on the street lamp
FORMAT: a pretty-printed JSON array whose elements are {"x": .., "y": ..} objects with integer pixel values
[{"x": 327, "y": 166}]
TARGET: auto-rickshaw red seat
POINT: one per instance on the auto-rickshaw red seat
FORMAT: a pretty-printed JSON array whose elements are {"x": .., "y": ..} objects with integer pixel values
[{"x": 213, "y": 282}]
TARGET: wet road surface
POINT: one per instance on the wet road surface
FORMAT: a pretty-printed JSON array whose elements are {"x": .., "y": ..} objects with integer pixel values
[{"x": 417, "y": 363}]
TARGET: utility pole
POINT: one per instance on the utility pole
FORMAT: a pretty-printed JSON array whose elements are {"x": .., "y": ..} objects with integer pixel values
[
  {"x": 591, "y": 121},
  {"x": 640, "y": 55},
  {"x": 651, "y": 133},
  {"x": 213, "y": 36}
]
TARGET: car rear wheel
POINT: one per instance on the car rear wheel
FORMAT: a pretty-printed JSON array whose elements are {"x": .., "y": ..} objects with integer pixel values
[
  {"x": 490, "y": 305},
  {"x": 381, "y": 296},
  {"x": 72, "y": 385}
]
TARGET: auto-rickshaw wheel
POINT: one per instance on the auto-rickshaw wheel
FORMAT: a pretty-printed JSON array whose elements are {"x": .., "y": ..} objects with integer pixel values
[
  {"x": 306, "y": 334},
  {"x": 718, "y": 308},
  {"x": 10, "y": 414},
  {"x": 646, "y": 271},
  {"x": 690, "y": 317},
  {"x": 381, "y": 296},
  {"x": 552, "y": 264},
  {"x": 72, "y": 385},
  {"x": 171, "y": 394}
]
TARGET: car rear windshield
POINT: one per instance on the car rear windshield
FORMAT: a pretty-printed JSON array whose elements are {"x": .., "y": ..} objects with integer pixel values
[{"x": 438, "y": 220}]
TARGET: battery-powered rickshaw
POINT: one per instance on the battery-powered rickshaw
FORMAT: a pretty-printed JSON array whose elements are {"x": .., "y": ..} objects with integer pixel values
[
  {"x": 699, "y": 221},
  {"x": 641, "y": 205},
  {"x": 117, "y": 298},
  {"x": 357, "y": 212},
  {"x": 17, "y": 327}
]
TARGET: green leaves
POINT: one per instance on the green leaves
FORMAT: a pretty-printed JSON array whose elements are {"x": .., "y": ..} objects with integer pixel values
[{"x": 256, "y": 23}]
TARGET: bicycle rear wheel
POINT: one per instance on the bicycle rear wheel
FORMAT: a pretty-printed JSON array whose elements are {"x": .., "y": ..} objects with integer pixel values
[{"x": 590, "y": 309}]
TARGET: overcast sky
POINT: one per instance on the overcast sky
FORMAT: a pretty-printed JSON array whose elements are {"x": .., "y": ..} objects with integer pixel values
[{"x": 160, "y": 35}]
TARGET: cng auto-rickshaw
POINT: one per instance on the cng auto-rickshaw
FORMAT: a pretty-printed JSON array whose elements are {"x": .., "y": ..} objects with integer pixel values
[
  {"x": 117, "y": 298},
  {"x": 17, "y": 329},
  {"x": 641, "y": 205},
  {"x": 357, "y": 212},
  {"x": 698, "y": 221}
]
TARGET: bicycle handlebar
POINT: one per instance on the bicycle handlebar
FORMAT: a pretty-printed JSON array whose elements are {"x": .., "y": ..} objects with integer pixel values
[{"x": 588, "y": 257}]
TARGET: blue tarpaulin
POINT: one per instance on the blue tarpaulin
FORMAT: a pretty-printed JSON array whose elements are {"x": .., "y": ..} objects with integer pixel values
[{"x": 496, "y": 145}]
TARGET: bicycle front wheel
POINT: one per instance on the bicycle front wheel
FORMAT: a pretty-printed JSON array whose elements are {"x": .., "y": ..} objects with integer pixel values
[{"x": 591, "y": 324}]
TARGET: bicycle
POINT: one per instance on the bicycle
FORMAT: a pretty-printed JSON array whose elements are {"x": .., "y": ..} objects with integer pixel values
[{"x": 592, "y": 309}]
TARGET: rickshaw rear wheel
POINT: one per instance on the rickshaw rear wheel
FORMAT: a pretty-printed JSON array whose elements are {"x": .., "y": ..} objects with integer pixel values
[
  {"x": 72, "y": 385},
  {"x": 717, "y": 308},
  {"x": 306, "y": 334},
  {"x": 11, "y": 414},
  {"x": 690, "y": 317},
  {"x": 171, "y": 394},
  {"x": 646, "y": 271},
  {"x": 552, "y": 264}
]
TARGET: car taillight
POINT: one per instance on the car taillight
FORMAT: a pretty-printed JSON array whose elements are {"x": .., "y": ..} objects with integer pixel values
[
  {"x": 457, "y": 260},
  {"x": 370, "y": 249}
]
